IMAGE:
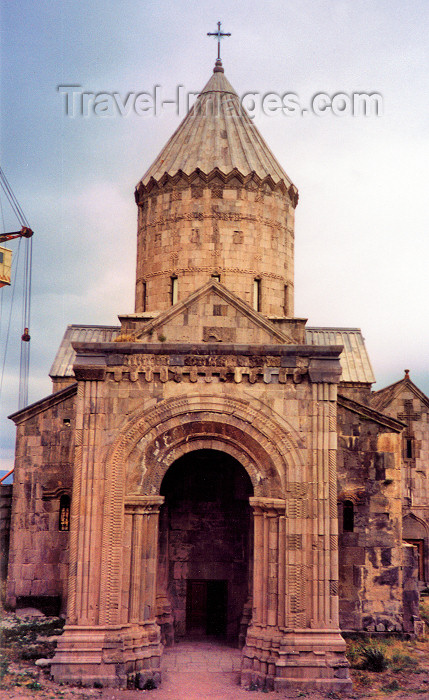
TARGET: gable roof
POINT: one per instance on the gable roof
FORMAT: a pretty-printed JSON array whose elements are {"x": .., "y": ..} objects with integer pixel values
[
  {"x": 383, "y": 397},
  {"x": 43, "y": 404},
  {"x": 217, "y": 133},
  {"x": 354, "y": 359}
]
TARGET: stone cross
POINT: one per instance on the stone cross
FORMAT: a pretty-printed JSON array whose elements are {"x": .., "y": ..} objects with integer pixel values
[
  {"x": 219, "y": 35},
  {"x": 408, "y": 416}
]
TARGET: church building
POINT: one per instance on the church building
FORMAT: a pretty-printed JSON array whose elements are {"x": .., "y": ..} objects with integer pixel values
[{"x": 212, "y": 466}]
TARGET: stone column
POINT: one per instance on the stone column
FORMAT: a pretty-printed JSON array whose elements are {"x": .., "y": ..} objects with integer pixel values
[
  {"x": 80, "y": 649},
  {"x": 268, "y": 591},
  {"x": 268, "y": 578},
  {"x": 86, "y": 506},
  {"x": 130, "y": 650},
  {"x": 105, "y": 641},
  {"x": 144, "y": 553},
  {"x": 142, "y": 640}
]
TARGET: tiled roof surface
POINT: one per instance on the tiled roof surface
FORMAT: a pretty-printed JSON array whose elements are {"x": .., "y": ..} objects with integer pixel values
[
  {"x": 62, "y": 366},
  {"x": 217, "y": 132},
  {"x": 354, "y": 358}
]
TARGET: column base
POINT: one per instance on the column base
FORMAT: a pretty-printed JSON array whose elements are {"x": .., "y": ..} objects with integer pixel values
[
  {"x": 123, "y": 656},
  {"x": 276, "y": 659}
]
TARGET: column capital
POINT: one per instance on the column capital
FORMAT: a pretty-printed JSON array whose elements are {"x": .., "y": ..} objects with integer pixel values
[
  {"x": 144, "y": 504},
  {"x": 277, "y": 506}
]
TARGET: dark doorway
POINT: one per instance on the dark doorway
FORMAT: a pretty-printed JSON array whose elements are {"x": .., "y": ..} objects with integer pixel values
[
  {"x": 205, "y": 546},
  {"x": 206, "y": 608}
]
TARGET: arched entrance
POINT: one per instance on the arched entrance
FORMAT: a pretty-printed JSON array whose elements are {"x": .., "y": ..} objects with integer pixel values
[{"x": 205, "y": 546}]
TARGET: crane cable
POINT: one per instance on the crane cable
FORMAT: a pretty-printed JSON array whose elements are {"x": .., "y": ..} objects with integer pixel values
[{"x": 24, "y": 364}]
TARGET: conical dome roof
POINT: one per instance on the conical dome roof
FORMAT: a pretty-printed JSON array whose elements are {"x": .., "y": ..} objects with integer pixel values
[{"x": 216, "y": 133}]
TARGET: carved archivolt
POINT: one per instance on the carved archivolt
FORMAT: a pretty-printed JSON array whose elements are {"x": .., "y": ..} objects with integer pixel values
[
  {"x": 152, "y": 442},
  {"x": 356, "y": 496}
]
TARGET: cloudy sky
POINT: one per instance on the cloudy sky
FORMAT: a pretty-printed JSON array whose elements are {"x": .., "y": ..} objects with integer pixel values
[{"x": 362, "y": 244}]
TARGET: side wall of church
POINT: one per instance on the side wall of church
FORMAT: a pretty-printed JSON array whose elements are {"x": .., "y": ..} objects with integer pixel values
[
  {"x": 415, "y": 413},
  {"x": 408, "y": 407},
  {"x": 38, "y": 558},
  {"x": 370, "y": 524}
]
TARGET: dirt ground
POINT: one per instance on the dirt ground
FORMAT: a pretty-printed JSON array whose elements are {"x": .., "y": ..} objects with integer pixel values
[
  {"x": 25, "y": 680},
  {"x": 216, "y": 686},
  {"x": 406, "y": 675}
]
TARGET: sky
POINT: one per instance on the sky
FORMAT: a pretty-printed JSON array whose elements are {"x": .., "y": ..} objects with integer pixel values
[{"x": 362, "y": 244}]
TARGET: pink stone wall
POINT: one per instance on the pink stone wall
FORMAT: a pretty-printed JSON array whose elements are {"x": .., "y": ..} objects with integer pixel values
[
  {"x": 370, "y": 564},
  {"x": 38, "y": 555},
  {"x": 240, "y": 233}
]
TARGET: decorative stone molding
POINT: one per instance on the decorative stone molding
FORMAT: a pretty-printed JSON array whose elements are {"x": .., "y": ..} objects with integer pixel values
[
  {"x": 198, "y": 177},
  {"x": 229, "y": 374},
  {"x": 51, "y": 494},
  {"x": 356, "y": 496}
]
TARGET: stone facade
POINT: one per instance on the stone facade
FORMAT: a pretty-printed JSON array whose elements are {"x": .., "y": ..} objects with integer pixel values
[
  {"x": 38, "y": 559},
  {"x": 404, "y": 401},
  {"x": 370, "y": 519},
  {"x": 145, "y": 418},
  {"x": 5, "y": 510},
  {"x": 205, "y": 446}
]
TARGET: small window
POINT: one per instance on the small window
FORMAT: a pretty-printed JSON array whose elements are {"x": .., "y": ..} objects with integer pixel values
[
  {"x": 257, "y": 294},
  {"x": 1, "y": 257},
  {"x": 174, "y": 290},
  {"x": 348, "y": 516},
  {"x": 409, "y": 448},
  {"x": 285, "y": 301},
  {"x": 216, "y": 278},
  {"x": 144, "y": 298},
  {"x": 64, "y": 519}
]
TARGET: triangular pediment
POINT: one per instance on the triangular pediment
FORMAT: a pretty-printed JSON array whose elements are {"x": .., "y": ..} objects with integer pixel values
[
  {"x": 402, "y": 390},
  {"x": 213, "y": 314}
]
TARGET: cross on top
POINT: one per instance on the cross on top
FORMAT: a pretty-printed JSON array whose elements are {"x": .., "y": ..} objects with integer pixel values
[{"x": 219, "y": 35}]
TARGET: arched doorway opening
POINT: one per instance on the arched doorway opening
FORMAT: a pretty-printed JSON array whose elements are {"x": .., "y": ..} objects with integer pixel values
[
  {"x": 414, "y": 531},
  {"x": 205, "y": 547}
]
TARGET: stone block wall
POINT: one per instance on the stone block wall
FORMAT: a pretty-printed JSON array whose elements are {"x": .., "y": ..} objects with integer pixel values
[
  {"x": 370, "y": 562},
  {"x": 408, "y": 404},
  {"x": 409, "y": 408},
  {"x": 38, "y": 559},
  {"x": 411, "y": 595},
  {"x": 5, "y": 511}
]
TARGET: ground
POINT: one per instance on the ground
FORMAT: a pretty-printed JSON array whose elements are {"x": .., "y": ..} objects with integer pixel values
[{"x": 211, "y": 671}]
